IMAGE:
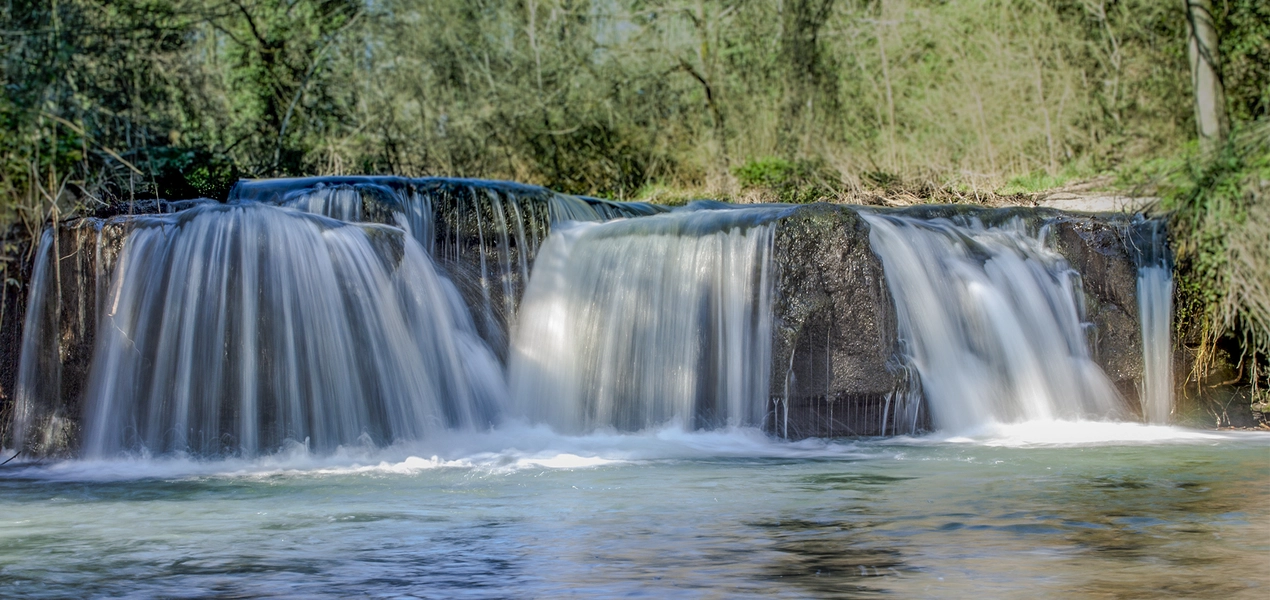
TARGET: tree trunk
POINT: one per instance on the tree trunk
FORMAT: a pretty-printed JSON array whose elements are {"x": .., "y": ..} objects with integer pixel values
[
  {"x": 1210, "y": 96},
  {"x": 806, "y": 73}
]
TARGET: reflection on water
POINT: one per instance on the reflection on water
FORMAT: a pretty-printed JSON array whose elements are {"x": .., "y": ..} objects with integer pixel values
[{"x": 657, "y": 517}]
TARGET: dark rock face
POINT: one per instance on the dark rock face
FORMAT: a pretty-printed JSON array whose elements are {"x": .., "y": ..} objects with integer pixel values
[
  {"x": 74, "y": 322},
  {"x": 14, "y": 278},
  {"x": 835, "y": 351},
  {"x": 1104, "y": 251},
  {"x": 837, "y": 365},
  {"x": 63, "y": 316},
  {"x": 486, "y": 239}
]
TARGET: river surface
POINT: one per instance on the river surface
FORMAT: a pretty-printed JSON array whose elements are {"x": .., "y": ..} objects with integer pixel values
[{"x": 1042, "y": 509}]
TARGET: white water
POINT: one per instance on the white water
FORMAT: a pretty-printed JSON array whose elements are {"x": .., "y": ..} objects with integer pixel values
[
  {"x": 992, "y": 321},
  {"x": 337, "y": 202},
  {"x": 486, "y": 240},
  {"x": 289, "y": 328},
  {"x": 1155, "y": 311},
  {"x": 518, "y": 446},
  {"x": 636, "y": 323},
  {"x": 230, "y": 330},
  {"x": 37, "y": 387},
  {"x": 222, "y": 321}
]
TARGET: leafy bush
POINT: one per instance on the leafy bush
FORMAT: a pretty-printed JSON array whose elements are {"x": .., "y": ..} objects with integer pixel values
[
  {"x": 796, "y": 182},
  {"x": 1220, "y": 207},
  {"x": 191, "y": 173},
  {"x": 110, "y": 97}
]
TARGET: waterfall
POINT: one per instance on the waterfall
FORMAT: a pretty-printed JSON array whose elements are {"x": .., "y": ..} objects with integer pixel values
[
  {"x": 1155, "y": 310},
  {"x": 636, "y": 323},
  {"x": 991, "y": 319},
  {"x": 40, "y": 367},
  {"x": 232, "y": 329},
  {"x": 372, "y": 310},
  {"x": 1155, "y": 313},
  {"x": 484, "y": 234},
  {"x": 337, "y": 202}
]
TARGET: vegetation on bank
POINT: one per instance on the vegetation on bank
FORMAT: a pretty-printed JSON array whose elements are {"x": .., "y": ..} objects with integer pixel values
[
  {"x": 1219, "y": 205},
  {"x": 664, "y": 100}
]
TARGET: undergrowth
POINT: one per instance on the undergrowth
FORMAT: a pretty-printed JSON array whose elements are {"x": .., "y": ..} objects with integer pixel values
[{"x": 1220, "y": 217}]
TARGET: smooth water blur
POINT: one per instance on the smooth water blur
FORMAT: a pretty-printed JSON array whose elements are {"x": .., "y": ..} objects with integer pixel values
[
  {"x": 229, "y": 329},
  {"x": 992, "y": 320},
  {"x": 520, "y": 512},
  {"x": 635, "y": 323},
  {"x": 1155, "y": 312}
]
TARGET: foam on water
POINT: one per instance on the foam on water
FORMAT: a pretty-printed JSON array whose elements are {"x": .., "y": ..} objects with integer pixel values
[
  {"x": 1060, "y": 433},
  {"x": 518, "y": 446},
  {"x": 509, "y": 448}
]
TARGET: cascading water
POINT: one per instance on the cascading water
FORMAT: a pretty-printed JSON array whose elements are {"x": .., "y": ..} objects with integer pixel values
[
  {"x": 484, "y": 234},
  {"x": 636, "y": 323},
  {"x": 231, "y": 329},
  {"x": 35, "y": 425},
  {"x": 1155, "y": 313},
  {"x": 991, "y": 320},
  {"x": 337, "y": 202}
]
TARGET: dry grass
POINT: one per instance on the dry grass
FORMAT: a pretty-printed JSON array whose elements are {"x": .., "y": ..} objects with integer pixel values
[{"x": 1245, "y": 302}]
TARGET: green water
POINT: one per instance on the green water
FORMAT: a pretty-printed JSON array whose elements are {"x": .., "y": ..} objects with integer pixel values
[{"x": 1163, "y": 512}]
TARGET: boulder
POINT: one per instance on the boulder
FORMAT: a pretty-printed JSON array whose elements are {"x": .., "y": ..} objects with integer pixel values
[{"x": 835, "y": 352}]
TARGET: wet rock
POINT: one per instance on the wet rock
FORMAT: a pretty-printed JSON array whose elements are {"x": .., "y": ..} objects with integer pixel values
[
  {"x": 835, "y": 352},
  {"x": 59, "y": 331},
  {"x": 837, "y": 363},
  {"x": 1117, "y": 347},
  {"x": 1101, "y": 250},
  {"x": 56, "y": 335},
  {"x": 15, "y": 275},
  {"x": 1107, "y": 250}
]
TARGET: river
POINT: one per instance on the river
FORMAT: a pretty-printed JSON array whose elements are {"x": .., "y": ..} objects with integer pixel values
[{"x": 1034, "y": 509}]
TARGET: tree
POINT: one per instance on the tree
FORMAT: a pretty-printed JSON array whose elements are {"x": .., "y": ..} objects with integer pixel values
[{"x": 1210, "y": 96}]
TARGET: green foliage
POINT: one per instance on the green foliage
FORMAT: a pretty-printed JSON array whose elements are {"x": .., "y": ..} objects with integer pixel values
[
  {"x": 191, "y": 173},
  {"x": 767, "y": 172},
  {"x": 1221, "y": 232},
  {"x": 1244, "y": 33},
  {"x": 285, "y": 97},
  {"x": 111, "y": 99},
  {"x": 1040, "y": 180},
  {"x": 1031, "y": 183},
  {"x": 796, "y": 182}
]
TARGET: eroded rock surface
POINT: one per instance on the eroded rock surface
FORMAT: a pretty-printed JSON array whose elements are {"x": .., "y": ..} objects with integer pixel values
[
  {"x": 835, "y": 350},
  {"x": 1106, "y": 252}
]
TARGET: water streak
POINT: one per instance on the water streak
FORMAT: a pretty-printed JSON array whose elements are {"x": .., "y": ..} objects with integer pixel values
[
  {"x": 484, "y": 234},
  {"x": 633, "y": 324},
  {"x": 39, "y": 368},
  {"x": 1155, "y": 313}
]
